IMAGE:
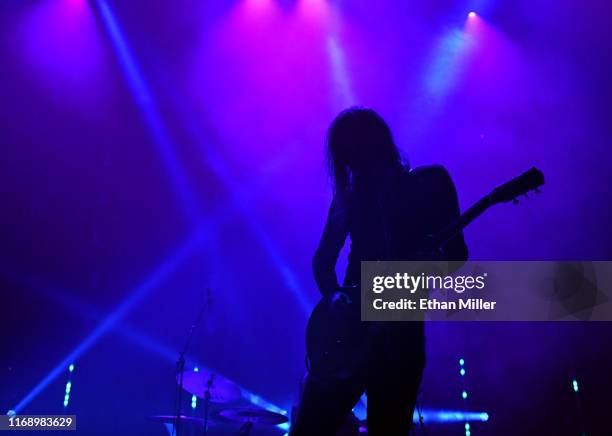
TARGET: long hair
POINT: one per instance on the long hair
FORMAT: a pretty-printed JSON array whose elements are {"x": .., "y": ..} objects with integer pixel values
[{"x": 360, "y": 150}]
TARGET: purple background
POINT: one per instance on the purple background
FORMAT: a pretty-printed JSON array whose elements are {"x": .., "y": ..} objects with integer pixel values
[{"x": 128, "y": 127}]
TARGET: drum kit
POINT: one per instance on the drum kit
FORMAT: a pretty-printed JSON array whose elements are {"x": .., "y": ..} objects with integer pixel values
[{"x": 215, "y": 389}]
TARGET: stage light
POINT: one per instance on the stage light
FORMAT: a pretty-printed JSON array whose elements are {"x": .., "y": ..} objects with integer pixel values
[
  {"x": 472, "y": 14},
  {"x": 194, "y": 401},
  {"x": 196, "y": 369},
  {"x": 575, "y": 385},
  {"x": 444, "y": 416},
  {"x": 68, "y": 386},
  {"x": 464, "y": 395},
  {"x": 467, "y": 426},
  {"x": 461, "y": 361},
  {"x": 462, "y": 372}
]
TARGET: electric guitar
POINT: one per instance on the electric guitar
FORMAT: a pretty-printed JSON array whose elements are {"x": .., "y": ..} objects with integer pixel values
[{"x": 336, "y": 338}]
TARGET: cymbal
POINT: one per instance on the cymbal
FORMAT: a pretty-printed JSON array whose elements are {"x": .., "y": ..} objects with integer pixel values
[
  {"x": 170, "y": 419},
  {"x": 221, "y": 389},
  {"x": 252, "y": 415}
]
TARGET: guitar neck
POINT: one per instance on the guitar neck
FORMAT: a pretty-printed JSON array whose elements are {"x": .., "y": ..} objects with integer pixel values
[{"x": 460, "y": 223}]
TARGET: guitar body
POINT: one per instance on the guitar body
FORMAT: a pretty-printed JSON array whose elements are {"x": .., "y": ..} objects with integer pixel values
[{"x": 336, "y": 337}]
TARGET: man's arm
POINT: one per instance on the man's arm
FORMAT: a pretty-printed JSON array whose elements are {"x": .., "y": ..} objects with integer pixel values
[{"x": 332, "y": 241}]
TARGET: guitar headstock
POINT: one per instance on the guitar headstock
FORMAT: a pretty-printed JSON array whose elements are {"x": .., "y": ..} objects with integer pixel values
[{"x": 530, "y": 180}]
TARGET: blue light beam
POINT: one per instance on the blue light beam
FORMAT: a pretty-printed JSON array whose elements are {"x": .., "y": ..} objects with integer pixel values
[
  {"x": 447, "y": 64},
  {"x": 239, "y": 202},
  {"x": 146, "y": 102},
  {"x": 142, "y": 290},
  {"x": 133, "y": 335},
  {"x": 339, "y": 72}
]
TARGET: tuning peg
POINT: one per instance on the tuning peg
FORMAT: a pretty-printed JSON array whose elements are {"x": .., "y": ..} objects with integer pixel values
[{"x": 515, "y": 201}]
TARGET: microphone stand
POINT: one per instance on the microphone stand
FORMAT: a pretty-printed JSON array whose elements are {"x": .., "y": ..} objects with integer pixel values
[
  {"x": 180, "y": 367},
  {"x": 207, "y": 404}
]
